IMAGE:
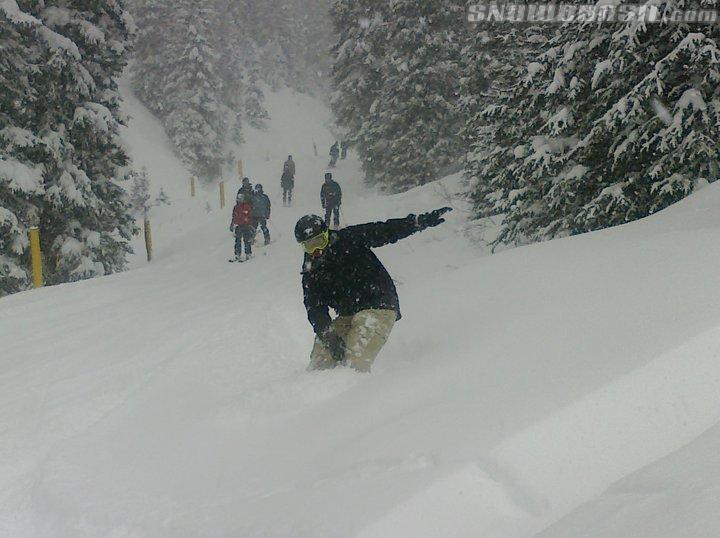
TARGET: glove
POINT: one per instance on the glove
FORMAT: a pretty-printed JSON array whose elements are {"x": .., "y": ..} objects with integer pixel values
[
  {"x": 232, "y": 228},
  {"x": 335, "y": 345},
  {"x": 433, "y": 218}
]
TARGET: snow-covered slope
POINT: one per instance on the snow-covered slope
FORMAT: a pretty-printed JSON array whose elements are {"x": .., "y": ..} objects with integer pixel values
[
  {"x": 172, "y": 400},
  {"x": 675, "y": 496}
]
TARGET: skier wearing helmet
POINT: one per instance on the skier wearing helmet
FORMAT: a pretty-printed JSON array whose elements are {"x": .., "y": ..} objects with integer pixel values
[{"x": 340, "y": 271}]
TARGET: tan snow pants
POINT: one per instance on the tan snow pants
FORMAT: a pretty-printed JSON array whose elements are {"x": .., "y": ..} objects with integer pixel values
[{"x": 364, "y": 335}]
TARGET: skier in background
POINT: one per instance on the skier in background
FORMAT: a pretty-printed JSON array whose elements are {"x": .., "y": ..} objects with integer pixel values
[
  {"x": 246, "y": 188},
  {"x": 243, "y": 226},
  {"x": 343, "y": 150},
  {"x": 334, "y": 153},
  {"x": 340, "y": 271},
  {"x": 290, "y": 167},
  {"x": 261, "y": 211},
  {"x": 331, "y": 199},
  {"x": 287, "y": 183}
]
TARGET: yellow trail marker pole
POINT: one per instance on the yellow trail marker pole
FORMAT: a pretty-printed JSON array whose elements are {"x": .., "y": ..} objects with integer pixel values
[
  {"x": 222, "y": 194},
  {"x": 192, "y": 186},
  {"x": 148, "y": 239},
  {"x": 240, "y": 170},
  {"x": 36, "y": 257}
]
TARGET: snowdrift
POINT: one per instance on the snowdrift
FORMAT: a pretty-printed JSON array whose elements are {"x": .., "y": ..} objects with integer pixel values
[{"x": 563, "y": 389}]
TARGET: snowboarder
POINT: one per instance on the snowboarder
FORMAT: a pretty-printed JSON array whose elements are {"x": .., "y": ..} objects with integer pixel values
[
  {"x": 343, "y": 150},
  {"x": 261, "y": 211},
  {"x": 243, "y": 226},
  {"x": 287, "y": 183},
  {"x": 331, "y": 199},
  {"x": 341, "y": 272},
  {"x": 290, "y": 167},
  {"x": 334, "y": 152}
]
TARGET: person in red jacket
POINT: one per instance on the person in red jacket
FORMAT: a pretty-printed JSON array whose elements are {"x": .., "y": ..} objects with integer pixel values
[{"x": 243, "y": 226}]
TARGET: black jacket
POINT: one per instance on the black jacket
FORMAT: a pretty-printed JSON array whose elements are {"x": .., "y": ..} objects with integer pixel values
[
  {"x": 261, "y": 206},
  {"x": 348, "y": 277},
  {"x": 247, "y": 190},
  {"x": 330, "y": 194},
  {"x": 286, "y": 181}
]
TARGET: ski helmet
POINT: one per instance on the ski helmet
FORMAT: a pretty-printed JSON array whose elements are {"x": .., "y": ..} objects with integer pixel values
[
  {"x": 308, "y": 227},
  {"x": 328, "y": 175}
]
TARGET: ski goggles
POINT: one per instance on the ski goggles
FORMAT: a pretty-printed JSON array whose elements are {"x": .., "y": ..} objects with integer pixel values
[{"x": 318, "y": 242}]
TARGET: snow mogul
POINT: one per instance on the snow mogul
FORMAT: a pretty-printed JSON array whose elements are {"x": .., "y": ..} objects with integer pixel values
[{"x": 340, "y": 271}]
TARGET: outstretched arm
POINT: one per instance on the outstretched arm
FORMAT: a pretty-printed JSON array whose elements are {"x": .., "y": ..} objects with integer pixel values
[{"x": 377, "y": 234}]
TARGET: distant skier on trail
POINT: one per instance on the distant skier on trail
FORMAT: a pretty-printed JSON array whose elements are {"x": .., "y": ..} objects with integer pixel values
[
  {"x": 290, "y": 166},
  {"x": 287, "y": 183},
  {"x": 340, "y": 271},
  {"x": 334, "y": 153},
  {"x": 261, "y": 211},
  {"x": 243, "y": 226},
  {"x": 331, "y": 199},
  {"x": 343, "y": 150}
]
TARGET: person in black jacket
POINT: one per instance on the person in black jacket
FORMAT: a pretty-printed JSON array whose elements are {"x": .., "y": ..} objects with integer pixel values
[
  {"x": 287, "y": 184},
  {"x": 261, "y": 208},
  {"x": 340, "y": 271},
  {"x": 246, "y": 188},
  {"x": 289, "y": 167},
  {"x": 331, "y": 199}
]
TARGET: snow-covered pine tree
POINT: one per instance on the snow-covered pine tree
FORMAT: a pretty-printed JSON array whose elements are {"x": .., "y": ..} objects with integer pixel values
[
  {"x": 618, "y": 121},
  {"x": 494, "y": 60},
  {"x": 176, "y": 76},
  {"x": 195, "y": 119},
  {"x": 271, "y": 25},
  {"x": 253, "y": 97},
  {"x": 158, "y": 38},
  {"x": 140, "y": 193},
  {"x": 20, "y": 177},
  {"x": 230, "y": 40},
  {"x": 357, "y": 55},
  {"x": 292, "y": 39},
  {"x": 310, "y": 27},
  {"x": 239, "y": 67},
  {"x": 416, "y": 118},
  {"x": 409, "y": 53},
  {"x": 62, "y": 159}
]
